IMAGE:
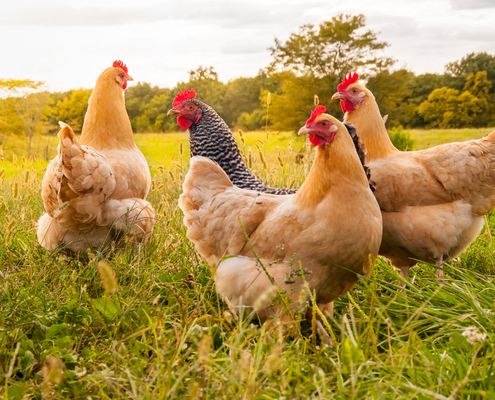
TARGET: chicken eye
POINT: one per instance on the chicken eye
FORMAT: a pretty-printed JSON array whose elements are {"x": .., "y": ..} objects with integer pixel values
[
  {"x": 325, "y": 123},
  {"x": 354, "y": 90},
  {"x": 122, "y": 75},
  {"x": 190, "y": 107}
]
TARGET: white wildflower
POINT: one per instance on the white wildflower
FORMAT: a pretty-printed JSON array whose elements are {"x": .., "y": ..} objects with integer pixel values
[{"x": 473, "y": 336}]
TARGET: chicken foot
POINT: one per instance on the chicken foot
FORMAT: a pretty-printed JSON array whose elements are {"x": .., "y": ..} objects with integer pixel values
[{"x": 439, "y": 272}]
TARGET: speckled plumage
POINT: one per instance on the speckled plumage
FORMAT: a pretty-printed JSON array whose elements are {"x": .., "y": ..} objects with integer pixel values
[{"x": 212, "y": 138}]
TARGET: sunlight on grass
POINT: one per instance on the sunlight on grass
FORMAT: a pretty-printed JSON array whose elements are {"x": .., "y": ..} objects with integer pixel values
[{"x": 162, "y": 332}]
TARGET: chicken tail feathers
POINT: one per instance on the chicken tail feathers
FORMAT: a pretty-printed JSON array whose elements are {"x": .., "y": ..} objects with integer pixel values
[
  {"x": 85, "y": 181},
  {"x": 491, "y": 137},
  {"x": 204, "y": 179}
]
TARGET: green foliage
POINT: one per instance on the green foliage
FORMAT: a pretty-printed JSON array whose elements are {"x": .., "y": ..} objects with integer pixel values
[
  {"x": 335, "y": 47},
  {"x": 292, "y": 104},
  {"x": 147, "y": 107},
  {"x": 449, "y": 108},
  {"x": 72, "y": 109},
  {"x": 401, "y": 139},
  {"x": 390, "y": 89},
  {"x": 13, "y": 87},
  {"x": 252, "y": 121},
  {"x": 471, "y": 64}
]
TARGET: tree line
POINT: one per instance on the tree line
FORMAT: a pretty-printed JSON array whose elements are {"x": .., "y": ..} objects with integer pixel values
[{"x": 305, "y": 69}]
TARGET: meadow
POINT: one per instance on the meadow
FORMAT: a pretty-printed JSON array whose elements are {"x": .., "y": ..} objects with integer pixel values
[{"x": 158, "y": 330}]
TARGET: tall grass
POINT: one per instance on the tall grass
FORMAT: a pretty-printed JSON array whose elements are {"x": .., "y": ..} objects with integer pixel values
[{"x": 165, "y": 333}]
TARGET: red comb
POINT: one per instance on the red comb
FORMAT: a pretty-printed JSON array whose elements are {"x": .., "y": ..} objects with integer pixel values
[
  {"x": 348, "y": 80},
  {"x": 317, "y": 111},
  {"x": 186, "y": 94},
  {"x": 120, "y": 64}
]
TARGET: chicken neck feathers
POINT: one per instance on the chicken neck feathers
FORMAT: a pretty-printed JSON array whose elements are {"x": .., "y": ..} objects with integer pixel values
[
  {"x": 212, "y": 138},
  {"x": 106, "y": 124}
]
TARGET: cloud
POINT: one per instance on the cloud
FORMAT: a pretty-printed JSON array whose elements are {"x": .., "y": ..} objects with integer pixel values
[
  {"x": 243, "y": 47},
  {"x": 231, "y": 13},
  {"x": 472, "y": 4},
  {"x": 393, "y": 25}
]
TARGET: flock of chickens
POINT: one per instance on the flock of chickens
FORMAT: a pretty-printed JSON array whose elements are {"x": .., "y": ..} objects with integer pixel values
[{"x": 362, "y": 197}]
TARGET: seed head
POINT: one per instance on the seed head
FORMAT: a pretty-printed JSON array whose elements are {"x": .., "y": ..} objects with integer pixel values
[
  {"x": 273, "y": 362},
  {"x": 15, "y": 190},
  {"x": 204, "y": 347},
  {"x": 241, "y": 136},
  {"x": 245, "y": 365},
  {"x": 266, "y": 298},
  {"x": 107, "y": 275},
  {"x": 250, "y": 159}
]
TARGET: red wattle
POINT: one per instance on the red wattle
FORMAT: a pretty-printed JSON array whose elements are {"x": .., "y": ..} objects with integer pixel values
[
  {"x": 347, "y": 106},
  {"x": 316, "y": 140},
  {"x": 183, "y": 122},
  {"x": 198, "y": 117},
  {"x": 124, "y": 86}
]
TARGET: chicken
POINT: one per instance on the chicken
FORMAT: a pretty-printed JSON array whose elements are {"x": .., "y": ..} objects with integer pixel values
[
  {"x": 209, "y": 136},
  {"x": 432, "y": 201},
  {"x": 94, "y": 190},
  {"x": 332, "y": 225}
]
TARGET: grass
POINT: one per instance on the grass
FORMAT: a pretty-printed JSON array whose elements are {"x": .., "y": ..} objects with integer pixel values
[
  {"x": 426, "y": 138},
  {"x": 166, "y": 334},
  {"x": 159, "y": 149},
  {"x": 163, "y": 149}
]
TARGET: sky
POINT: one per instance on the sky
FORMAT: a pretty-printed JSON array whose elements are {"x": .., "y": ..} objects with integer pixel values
[{"x": 67, "y": 44}]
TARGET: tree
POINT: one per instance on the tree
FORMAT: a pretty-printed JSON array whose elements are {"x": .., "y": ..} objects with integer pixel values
[
  {"x": 479, "y": 86},
  {"x": 32, "y": 109},
  {"x": 336, "y": 47},
  {"x": 390, "y": 90},
  {"x": 72, "y": 109},
  {"x": 447, "y": 108},
  {"x": 17, "y": 87},
  {"x": 471, "y": 64},
  {"x": 209, "y": 88},
  {"x": 242, "y": 97},
  {"x": 138, "y": 100},
  {"x": 292, "y": 104}
]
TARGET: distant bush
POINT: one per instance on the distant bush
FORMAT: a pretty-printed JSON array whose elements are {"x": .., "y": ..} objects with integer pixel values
[
  {"x": 401, "y": 139},
  {"x": 251, "y": 122}
]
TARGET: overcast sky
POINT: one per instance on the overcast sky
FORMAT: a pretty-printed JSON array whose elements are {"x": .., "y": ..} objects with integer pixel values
[{"x": 68, "y": 44}]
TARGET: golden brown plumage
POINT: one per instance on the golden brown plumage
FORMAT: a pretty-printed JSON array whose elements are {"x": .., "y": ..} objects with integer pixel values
[
  {"x": 332, "y": 226},
  {"x": 433, "y": 200},
  {"x": 95, "y": 188}
]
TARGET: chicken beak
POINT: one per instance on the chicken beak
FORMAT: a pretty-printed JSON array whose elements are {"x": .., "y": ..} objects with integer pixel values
[
  {"x": 304, "y": 131},
  {"x": 173, "y": 111},
  {"x": 129, "y": 78},
  {"x": 338, "y": 96}
]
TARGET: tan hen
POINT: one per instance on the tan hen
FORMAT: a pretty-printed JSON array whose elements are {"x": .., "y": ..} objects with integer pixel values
[
  {"x": 432, "y": 201},
  {"x": 332, "y": 225},
  {"x": 94, "y": 190}
]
